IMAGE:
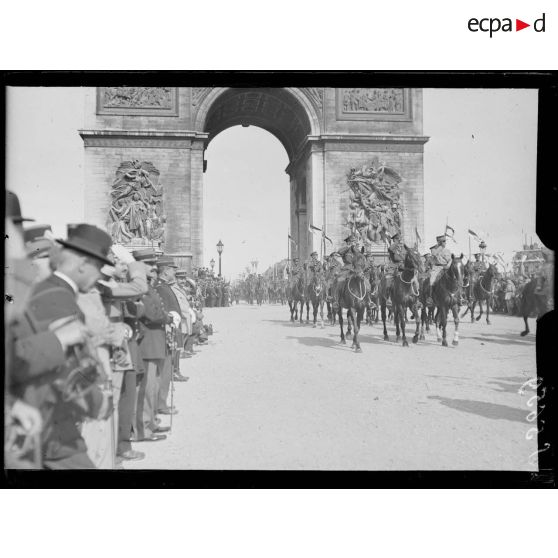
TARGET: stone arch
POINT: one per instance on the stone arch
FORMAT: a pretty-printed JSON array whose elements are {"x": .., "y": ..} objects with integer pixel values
[{"x": 255, "y": 106}]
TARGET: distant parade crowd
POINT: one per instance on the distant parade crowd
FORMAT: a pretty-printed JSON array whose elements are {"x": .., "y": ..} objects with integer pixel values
[{"x": 96, "y": 333}]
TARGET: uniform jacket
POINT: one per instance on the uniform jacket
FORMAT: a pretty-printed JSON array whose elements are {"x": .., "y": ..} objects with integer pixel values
[
  {"x": 153, "y": 317},
  {"x": 396, "y": 253},
  {"x": 441, "y": 256}
]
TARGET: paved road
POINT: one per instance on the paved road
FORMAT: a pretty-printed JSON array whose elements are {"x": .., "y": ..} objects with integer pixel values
[{"x": 269, "y": 394}]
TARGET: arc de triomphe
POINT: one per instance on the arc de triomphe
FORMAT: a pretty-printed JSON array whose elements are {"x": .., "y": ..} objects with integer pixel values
[{"x": 325, "y": 131}]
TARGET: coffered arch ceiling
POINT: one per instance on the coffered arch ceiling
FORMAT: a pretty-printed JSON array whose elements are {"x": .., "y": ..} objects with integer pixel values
[{"x": 274, "y": 110}]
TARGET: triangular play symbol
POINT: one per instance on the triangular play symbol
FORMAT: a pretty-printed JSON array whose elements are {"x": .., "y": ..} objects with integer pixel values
[{"x": 519, "y": 25}]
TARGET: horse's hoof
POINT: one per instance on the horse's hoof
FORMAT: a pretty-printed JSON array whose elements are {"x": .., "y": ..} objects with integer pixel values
[
  {"x": 444, "y": 343},
  {"x": 487, "y": 322},
  {"x": 386, "y": 337},
  {"x": 314, "y": 325},
  {"x": 524, "y": 333},
  {"x": 455, "y": 343},
  {"x": 358, "y": 350},
  {"x": 343, "y": 342},
  {"x": 472, "y": 320},
  {"x": 478, "y": 318},
  {"x": 415, "y": 339},
  {"x": 398, "y": 338},
  {"x": 422, "y": 338},
  {"x": 405, "y": 343}
]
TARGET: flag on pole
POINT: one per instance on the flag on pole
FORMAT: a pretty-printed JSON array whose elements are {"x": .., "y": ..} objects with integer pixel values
[
  {"x": 313, "y": 229},
  {"x": 327, "y": 237},
  {"x": 450, "y": 232},
  {"x": 475, "y": 235},
  {"x": 419, "y": 239}
]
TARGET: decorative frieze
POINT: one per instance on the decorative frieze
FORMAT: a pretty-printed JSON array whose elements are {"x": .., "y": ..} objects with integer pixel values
[
  {"x": 154, "y": 101},
  {"x": 377, "y": 103}
]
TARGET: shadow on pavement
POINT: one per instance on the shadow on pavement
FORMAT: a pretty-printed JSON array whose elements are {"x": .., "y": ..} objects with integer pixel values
[
  {"x": 321, "y": 342},
  {"x": 481, "y": 408},
  {"x": 504, "y": 338}
]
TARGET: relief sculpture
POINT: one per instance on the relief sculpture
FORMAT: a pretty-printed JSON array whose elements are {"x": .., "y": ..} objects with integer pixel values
[
  {"x": 138, "y": 97},
  {"x": 389, "y": 100},
  {"x": 136, "y": 212},
  {"x": 375, "y": 202}
]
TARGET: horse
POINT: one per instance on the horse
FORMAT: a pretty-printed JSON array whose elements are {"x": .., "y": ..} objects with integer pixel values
[
  {"x": 446, "y": 294},
  {"x": 405, "y": 294},
  {"x": 384, "y": 293},
  {"x": 534, "y": 300},
  {"x": 352, "y": 295},
  {"x": 482, "y": 289},
  {"x": 295, "y": 294},
  {"x": 372, "y": 308},
  {"x": 316, "y": 293}
]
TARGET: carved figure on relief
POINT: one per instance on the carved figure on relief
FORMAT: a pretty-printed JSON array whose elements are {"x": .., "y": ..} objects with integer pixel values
[
  {"x": 374, "y": 202},
  {"x": 136, "y": 204},
  {"x": 373, "y": 100}
]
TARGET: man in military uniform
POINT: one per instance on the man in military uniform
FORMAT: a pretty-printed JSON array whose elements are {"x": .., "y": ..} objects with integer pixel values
[
  {"x": 167, "y": 270},
  {"x": 295, "y": 269},
  {"x": 479, "y": 267},
  {"x": 314, "y": 265},
  {"x": 441, "y": 259},
  {"x": 352, "y": 245},
  {"x": 396, "y": 252}
]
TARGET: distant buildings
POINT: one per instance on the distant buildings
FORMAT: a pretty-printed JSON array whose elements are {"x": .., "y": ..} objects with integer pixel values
[{"x": 531, "y": 259}]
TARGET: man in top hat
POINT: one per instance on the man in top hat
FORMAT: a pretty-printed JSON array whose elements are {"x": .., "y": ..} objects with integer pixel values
[
  {"x": 441, "y": 259},
  {"x": 53, "y": 307},
  {"x": 166, "y": 268}
]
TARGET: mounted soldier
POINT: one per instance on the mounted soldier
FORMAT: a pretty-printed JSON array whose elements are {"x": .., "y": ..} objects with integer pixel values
[
  {"x": 315, "y": 265},
  {"x": 441, "y": 259}
]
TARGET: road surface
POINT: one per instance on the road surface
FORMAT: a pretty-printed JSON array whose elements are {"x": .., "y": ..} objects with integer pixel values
[{"x": 269, "y": 394}]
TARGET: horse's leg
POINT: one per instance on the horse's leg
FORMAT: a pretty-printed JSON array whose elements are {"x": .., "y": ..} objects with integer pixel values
[
  {"x": 481, "y": 311},
  {"x": 403, "y": 319},
  {"x": 417, "y": 312},
  {"x": 438, "y": 324},
  {"x": 315, "y": 311},
  {"x": 488, "y": 311},
  {"x": 526, "y": 330},
  {"x": 423, "y": 318},
  {"x": 302, "y": 311},
  {"x": 455, "y": 310},
  {"x": 397, "y": 318},
  {"x": 322, "y": 313},
  {"x": 444, "y": 324},
  {"x": 349, "y": 323},
  {"x": 383, "y": 311},
  {"x": 291, "y": 310},
  {"x": 359, "y": 312},
  {"x": 340, "y": 311}
]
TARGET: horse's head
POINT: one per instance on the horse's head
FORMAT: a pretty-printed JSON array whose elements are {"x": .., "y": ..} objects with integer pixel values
[
  {"x": 359, "y": 263},
  {"x": 457, "y": 269},
  {"x": 413, "y": 259}
]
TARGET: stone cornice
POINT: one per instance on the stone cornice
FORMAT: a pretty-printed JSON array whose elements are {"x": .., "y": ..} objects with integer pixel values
[
  {"x": 142, "y": 138},
  {"x": 369, "y": 138}
]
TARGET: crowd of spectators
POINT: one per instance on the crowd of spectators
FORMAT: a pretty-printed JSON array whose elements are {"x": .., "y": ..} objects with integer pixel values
[{"x": 96, "y": 337}]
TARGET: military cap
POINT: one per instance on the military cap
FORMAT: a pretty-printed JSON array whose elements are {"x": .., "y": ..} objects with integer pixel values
[
  {"x": 441, "y": 237},
  {"x": 314, "y": 254},
  {"x": 350, "y": 238},
  {"x": 166, "y": 261},
  {"x": 181, "y": 272},
  {"x": 89, "y": 240},
  {"x": 477, "y": 255},
  {"x": 146, "y": 256},
  {"x": 13, "y": 209},
  {"x": 37, "y": 241}
]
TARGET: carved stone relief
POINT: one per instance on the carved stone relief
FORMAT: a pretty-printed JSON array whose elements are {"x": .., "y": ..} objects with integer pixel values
[
  {"x": 375, "y": 202},
  {"x": 159, "y": 101},
  {"x": 136, "y": 212},
  {"x": 387, "y": 103}
]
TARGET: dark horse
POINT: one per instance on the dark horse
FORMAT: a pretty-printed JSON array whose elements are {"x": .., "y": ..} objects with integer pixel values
[
  {"x": 482, "y": 289},
  {"x": 316, "y": 293},
  {"x": 533, "y": 301},
  {"x": 446, "y": 294},
  {"x": 296, "y": 293},
  {"x": 405, "y": 294},
  {"x": 352, "y": 294}
]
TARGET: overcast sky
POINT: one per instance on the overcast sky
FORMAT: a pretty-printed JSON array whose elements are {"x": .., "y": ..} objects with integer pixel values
[{"x": 479, "y": 171}]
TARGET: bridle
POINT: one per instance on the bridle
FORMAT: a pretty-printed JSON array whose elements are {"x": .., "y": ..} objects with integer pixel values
[{"x": 361, "y": 280}]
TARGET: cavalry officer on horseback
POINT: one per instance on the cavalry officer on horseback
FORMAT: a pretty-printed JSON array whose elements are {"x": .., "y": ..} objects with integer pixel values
[
  {"x": 441, "y": 259},
  {"x": 295, "y": 270},
  {"x": 396, "y": 251},
  {"x": 315, "y": 265}
]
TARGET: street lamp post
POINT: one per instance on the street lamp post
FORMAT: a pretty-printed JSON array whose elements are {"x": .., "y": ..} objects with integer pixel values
[
  {"x": 482, "y": 247},
  {"x": 220, "y": 246}
]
